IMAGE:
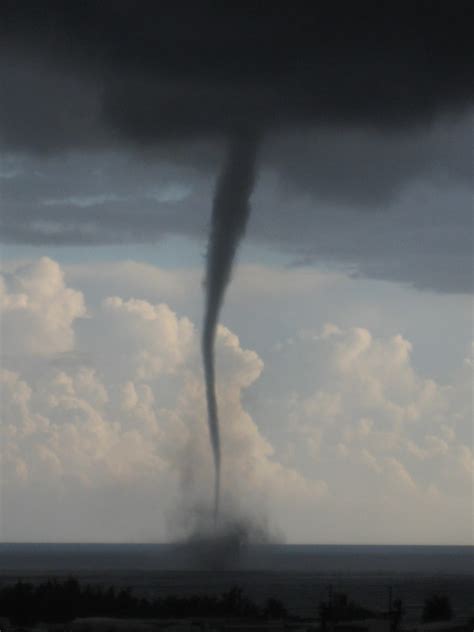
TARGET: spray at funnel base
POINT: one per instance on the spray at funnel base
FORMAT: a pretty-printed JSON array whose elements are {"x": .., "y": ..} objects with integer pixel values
[{"x": 230, "y": 212}]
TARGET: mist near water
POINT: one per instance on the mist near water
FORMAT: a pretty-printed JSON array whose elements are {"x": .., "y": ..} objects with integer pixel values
[{"x": 228, "y": 544}]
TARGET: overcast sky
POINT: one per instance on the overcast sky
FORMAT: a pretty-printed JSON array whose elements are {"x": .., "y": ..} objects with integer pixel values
[{"x": 344, "y": 357}]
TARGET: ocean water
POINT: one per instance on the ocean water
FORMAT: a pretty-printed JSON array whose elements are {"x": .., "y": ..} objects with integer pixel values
[{"x": 301, "y": 576}]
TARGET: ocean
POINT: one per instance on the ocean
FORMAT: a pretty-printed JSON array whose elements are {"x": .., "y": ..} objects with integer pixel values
[{"x": 299, "y": 575}]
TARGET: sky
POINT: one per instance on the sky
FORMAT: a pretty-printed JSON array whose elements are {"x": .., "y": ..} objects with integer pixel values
[{"x": 344, "y": 350}]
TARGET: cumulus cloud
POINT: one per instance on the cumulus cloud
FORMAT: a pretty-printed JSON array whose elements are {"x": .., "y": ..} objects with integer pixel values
[
  {"x": 153, "y": 340},
  {"x": 38, "y": 310},
  {"x": 332, "y": 434},
  {"x": 131, "y": 416},
  {"x": 382, "y": 433}
]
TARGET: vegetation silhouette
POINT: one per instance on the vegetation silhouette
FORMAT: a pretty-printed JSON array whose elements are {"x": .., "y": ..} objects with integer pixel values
[
  {"x": 339, "y": 608},
  {"x": 61, "y": 601},
  {"x": 437, "y": 608}
]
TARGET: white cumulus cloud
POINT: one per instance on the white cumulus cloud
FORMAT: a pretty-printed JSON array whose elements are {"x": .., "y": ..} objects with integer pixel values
[
  {"x": 333, "y": 434},
  {"x": 38, "y": 310},
  {"x": 128, "y": 415}
]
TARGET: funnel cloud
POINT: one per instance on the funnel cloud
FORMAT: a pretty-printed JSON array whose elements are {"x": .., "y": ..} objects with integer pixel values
[{"x": 231, "y": 209}]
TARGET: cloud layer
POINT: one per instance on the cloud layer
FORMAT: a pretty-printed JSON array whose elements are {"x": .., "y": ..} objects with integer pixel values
[
  {"x": 116, "y": 71},
  {"x": 114, "y": 119},
  {"x": 130, "y": 417},
  {"x": 334, "y": 436}
]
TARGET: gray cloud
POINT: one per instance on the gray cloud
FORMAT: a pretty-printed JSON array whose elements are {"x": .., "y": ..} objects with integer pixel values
[
  {"x": 174, "y": 71},
  {"x": 418, "y": 232},
  {"x": 362, "y": 109}
]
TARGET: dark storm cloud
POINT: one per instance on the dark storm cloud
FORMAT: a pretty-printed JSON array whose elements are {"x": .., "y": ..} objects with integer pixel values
[
  {"x": 418, "y": 232},
  {"x": 185, "y": 69},
  {"x": 45, "y": 109},
  {"x": 363, "y": 105},
  {"x": 368, "y": 170}
]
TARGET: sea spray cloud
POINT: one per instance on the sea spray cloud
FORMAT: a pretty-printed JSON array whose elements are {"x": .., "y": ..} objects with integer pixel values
[{"x": 231, "y": 542}]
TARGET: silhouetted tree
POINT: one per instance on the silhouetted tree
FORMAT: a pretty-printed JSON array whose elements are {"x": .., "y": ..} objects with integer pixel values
[
  {"x": 397, "y": 614},
  {"x": 437, "y": 608},
  {"x": 340, "y": 608},
  {"x": 54, "y": 601},
  {"x": 274, "y": 609}
]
